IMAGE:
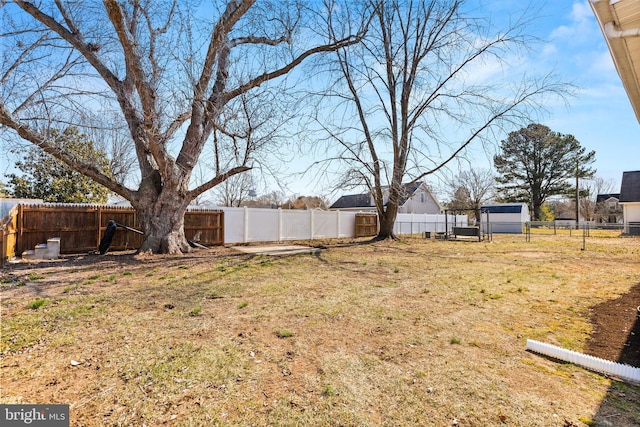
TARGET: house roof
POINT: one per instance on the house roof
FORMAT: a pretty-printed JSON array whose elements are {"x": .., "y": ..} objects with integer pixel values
[
  {"x": 364, "y": 200},
  {"x": 409, "y": 189},
  {"x": 352, "y": 201},
  {"x": 630, "y": 188},
  {"x": 600, "y": 198},
  {"x": 620, "y": 23}
]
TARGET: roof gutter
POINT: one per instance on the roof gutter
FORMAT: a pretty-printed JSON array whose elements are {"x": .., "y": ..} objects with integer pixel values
[
  {"x": 613, "y": 33},
  {"x": 619, "y": 42},
  {"x": 605, "y": 15}
]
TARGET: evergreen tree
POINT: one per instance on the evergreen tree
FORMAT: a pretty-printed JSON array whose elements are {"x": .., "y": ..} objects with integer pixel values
[
  {"x": 536, "y": 163},
  {"x": 45, "y": 177}
]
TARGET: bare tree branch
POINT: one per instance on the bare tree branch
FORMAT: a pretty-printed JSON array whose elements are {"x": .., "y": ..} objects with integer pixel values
[
  {"x": 407, "y": 86},
  {"x": 87, "y": 168}
]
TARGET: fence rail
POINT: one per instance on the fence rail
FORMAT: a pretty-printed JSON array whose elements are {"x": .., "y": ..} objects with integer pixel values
[
  {"x": 582, "y": 230},
  {"x": 589, "y": 228},
  {"x": 409, "y": 224}
]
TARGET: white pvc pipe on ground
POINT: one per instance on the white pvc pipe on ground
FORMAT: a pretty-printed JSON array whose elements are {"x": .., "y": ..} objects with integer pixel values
[{"x": 619, "y": 370}]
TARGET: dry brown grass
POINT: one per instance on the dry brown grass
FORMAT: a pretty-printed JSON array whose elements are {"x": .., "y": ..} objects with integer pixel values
[{"x": 402, "y": 333}]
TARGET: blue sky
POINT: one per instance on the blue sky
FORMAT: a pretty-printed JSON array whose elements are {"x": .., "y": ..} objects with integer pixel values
[
  {"x": 600, "y": 115},
  {"x": 572, "y": 46}
]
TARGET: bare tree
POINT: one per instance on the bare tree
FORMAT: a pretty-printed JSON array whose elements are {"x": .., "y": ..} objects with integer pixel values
[
  {"x": 406, "y": 102},
  {"x": 589, "y": 208},
  {"x": 273, "y": 200},
  {"x": 478, "y": 184},
  {"x": 111, "y": 136},
  {"x": 169, "y": 73},
  {"x": 235, "y": 191}
]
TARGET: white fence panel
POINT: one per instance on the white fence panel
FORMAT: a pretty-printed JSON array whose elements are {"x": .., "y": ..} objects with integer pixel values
[
  {"x": 296, "y": 225},
  {"x": 263, "y": 225},
  {"x": 419, "y": 223},
  {"x": 325, "y": 224},
  {"x": 347, "y": 226},
  {"x": 244, "y": 225},
  {"x": 234, "y": 220}
]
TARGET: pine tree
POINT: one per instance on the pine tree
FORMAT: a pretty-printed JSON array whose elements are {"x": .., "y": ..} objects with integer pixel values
[{"x": 536, "y": 163}]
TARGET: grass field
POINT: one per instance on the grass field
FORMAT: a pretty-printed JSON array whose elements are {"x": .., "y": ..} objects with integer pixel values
[{"x": 406, "y": 333}]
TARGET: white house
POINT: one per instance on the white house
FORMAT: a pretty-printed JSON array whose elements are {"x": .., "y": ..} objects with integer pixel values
[
  {"x": 608, "y": 208},
  {"x": 416, "y": 198},
  {"x": 506, "y": 217},
  {"x": 630, "y": 201}
]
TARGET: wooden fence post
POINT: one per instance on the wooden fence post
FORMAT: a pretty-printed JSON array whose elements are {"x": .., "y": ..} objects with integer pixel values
[
  {"x": 98, "y": 223},
  {"x": 20, "y": 226},
  {"x": 221, "y": 224}
]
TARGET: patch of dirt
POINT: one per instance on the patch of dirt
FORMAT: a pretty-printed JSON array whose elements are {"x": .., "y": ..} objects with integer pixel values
[{"x": 616, "y": 329}]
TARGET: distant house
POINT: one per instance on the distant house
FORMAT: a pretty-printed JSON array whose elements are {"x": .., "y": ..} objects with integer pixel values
[
  {"x": 608, "y": 208},
  {"x": 630, "y": 201},
  {"x": 415, "y": 198}
]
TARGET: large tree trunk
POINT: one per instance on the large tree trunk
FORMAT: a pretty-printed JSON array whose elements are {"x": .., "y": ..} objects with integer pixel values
[
  {"x": 164, "y": 231},
  {"x": 386, "y": 226},
  {"x": 387, "y": 217},
  {"x": 537, "y": 211},
  {"x": 537, "y": 208},
  {"x": 161, "y": 217}
]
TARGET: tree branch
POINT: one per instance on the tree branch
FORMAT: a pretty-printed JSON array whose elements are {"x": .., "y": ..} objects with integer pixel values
[
  {"x": 75, "y": 40},
  {"x": 218, "y": 179},
  {"x": 86, "y": 168},
  {"x": 257, "y": 81},
  {"x": 258, "y": 40}
]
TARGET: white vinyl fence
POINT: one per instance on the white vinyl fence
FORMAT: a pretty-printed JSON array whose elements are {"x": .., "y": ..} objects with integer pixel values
[
  {"x": 419, "y": 223},
  {"x": 245, "y": 225}
]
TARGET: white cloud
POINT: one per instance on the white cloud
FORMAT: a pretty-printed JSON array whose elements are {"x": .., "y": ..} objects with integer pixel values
[
  {"x": 580, "y": 28},
  {"x": 602, "y": 63},
  {"x": 549, "y": 50}
]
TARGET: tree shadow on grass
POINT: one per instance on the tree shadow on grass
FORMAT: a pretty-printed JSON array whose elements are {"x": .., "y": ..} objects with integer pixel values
[{"x": 616, "y": 337}]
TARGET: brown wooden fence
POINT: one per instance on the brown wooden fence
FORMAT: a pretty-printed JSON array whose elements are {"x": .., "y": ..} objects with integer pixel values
[
  {"x": 81, "y": 227},
  {"x": 8, "y": 235},
  {"x": 366, "y": 225}
]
